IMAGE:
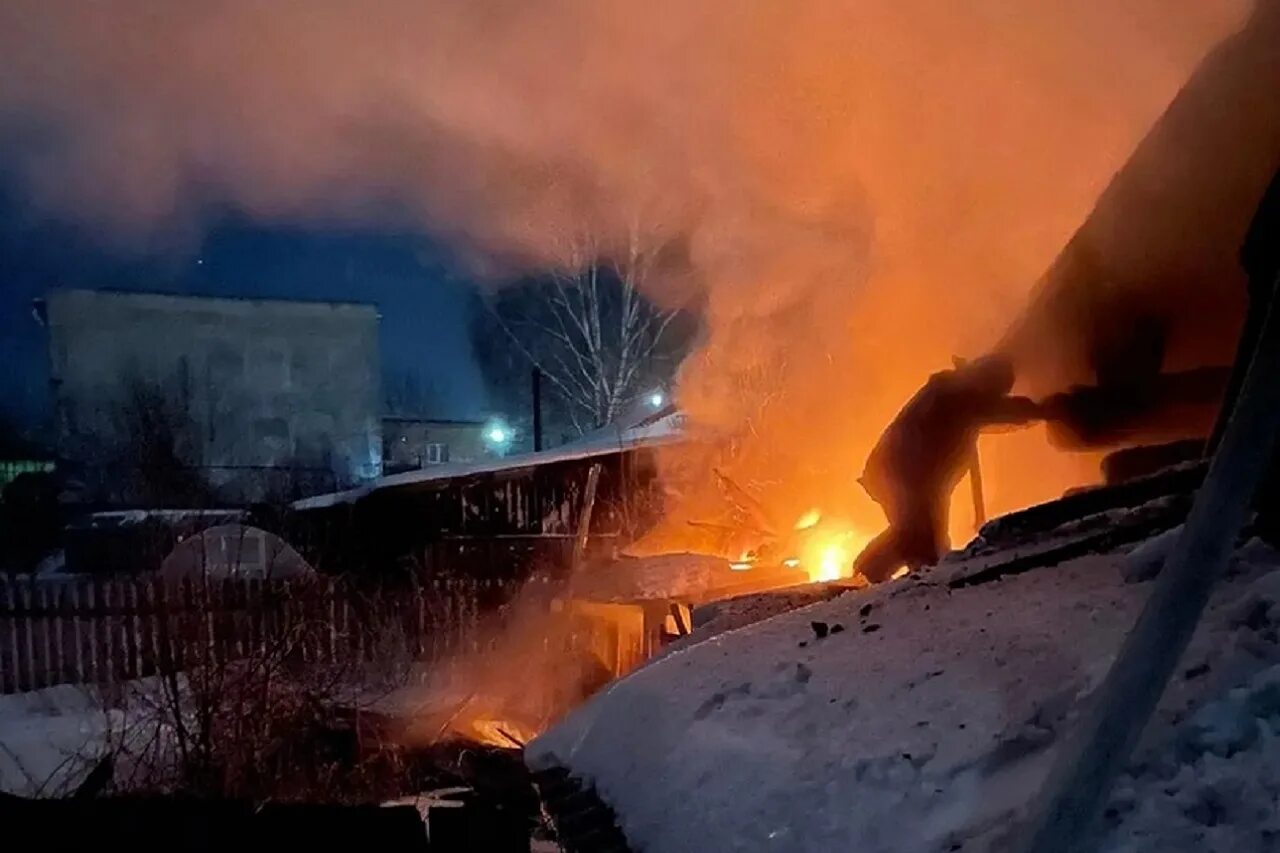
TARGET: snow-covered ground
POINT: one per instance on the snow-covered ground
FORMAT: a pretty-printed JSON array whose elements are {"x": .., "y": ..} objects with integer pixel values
[
  {"x": 49, "y": 738},
  {"x": 921, "y": 715}
]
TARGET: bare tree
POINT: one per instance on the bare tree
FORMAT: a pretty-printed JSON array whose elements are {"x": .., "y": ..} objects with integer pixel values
[
  {"x": 158, "y": 442},
  {"x": 592, "y": 330},
  {"x": 407, "y": 394}
]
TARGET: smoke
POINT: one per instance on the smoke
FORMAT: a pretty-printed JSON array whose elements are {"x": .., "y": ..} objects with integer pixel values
[{"x": 866, "y": 187}]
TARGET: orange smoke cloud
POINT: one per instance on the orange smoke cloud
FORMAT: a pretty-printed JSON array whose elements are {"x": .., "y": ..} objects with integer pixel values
[{"x": 866, "y": 187}]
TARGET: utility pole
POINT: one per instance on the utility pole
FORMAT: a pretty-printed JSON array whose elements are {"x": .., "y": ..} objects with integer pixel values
[{"x": 537, "y": 409}]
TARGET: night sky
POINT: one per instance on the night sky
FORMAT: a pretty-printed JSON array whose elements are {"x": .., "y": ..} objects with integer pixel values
[{"x": 423, "y": 304}]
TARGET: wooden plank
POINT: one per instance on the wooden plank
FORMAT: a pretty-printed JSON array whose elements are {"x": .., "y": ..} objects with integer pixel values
[
  {"x": 253, "y": 615},
  {"x": 147, "y": 642},
  {"x": 93, "y": 671},
  {"x": 330, "y": 610},
  {"x": 230, "y": 606},
  {"x": 219, "y": 609},
  {"x": 48, "y": 627},
  {"x": 419, "y": 619},
  {"x": 111, "y": 631},
  {"x": 8, "y": 640},
  {"x": 74, "y": 601},
  {"x": 26, "y": 671},
  {"x": 65, "y": 649},
  {"x": 346, "y": 629},
  {"x": 165, "y": 654},
  {"x": 187, "y": 627},
  {"x": 240, "y": 621},
  {"x": 132, "y": 631}
]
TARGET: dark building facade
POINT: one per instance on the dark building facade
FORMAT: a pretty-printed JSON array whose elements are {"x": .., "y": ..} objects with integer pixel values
[{"x": 251, "y": 395}]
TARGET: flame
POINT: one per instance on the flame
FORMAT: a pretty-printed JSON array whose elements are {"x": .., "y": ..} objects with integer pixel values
[
  {"x": 828, "y": 554},
  {"x": 832, "y": 563},
  {"x": 507, "y": 734},
  {"x": 900, "y": 573},
  {"x": 740, "y": 565}
]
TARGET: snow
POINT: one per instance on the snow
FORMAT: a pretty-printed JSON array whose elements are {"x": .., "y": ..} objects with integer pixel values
[
  {"x": 49, "y": 737},
  {"x": 668, "y": 423},
  {"x": 1144, "y": 562},
  {"x": 52, "y": 565},
  {"x": 658, "y": 434},
  {"x": 717, "y": 617},
  {"x": 925, "y": 722},
  {"x": 1215, "y": 787},
  {"x": 127, "y": 517}
]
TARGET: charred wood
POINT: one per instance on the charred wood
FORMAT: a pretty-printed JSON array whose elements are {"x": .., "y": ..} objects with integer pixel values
[{"x": 1031, "y": 524}]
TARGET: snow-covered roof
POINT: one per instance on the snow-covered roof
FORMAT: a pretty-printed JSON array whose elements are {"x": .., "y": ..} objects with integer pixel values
[
  {"x": 668, "y": 423},
  {"x": 126, "y": 517},
  {"x": 937, "y": 701},
  {"x": 668, "y": 430}
]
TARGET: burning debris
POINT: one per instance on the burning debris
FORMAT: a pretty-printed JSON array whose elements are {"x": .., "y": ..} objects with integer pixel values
[{"x": 815, "y": 549}]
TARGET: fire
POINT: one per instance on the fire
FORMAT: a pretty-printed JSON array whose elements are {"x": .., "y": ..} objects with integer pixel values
[
  {"x": 831, "y": 564},
  {"x": 827, "y": 554},
  {"x": 823, "y": 550},
  {"x": 508, "y": 734}
]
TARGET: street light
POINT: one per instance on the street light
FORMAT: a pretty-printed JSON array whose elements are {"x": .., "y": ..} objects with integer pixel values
[
  {"x": 498, "y": 436},
  {"x": 656, "y": 399}
]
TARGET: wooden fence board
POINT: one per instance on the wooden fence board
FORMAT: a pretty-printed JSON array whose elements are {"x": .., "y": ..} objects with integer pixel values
[
  {"x": 91, "y": 630},
  {"x": 8, "y": 643}
]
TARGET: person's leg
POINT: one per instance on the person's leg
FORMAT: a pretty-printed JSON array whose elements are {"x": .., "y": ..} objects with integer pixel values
[
  {"x": 881, "y": 558},
  {"x": 919, "y": 547},
  {"x": 922, "y": 534}
]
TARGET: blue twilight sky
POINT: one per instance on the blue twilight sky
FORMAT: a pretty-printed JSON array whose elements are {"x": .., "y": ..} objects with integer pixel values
[{"x": 423, "y": 305}]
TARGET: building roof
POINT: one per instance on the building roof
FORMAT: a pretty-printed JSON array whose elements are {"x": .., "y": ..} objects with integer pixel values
[
  {"x": 411, "y": 419},
  {"x": 154, "y": 295},
  {"x": 661, "y": 433}
]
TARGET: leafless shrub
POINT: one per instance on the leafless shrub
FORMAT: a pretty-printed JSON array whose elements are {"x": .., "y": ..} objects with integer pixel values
[{"x": 279, "y": 719}]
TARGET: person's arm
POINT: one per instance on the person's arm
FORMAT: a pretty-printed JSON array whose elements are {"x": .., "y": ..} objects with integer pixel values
[{"x": 1013, "y": 412}]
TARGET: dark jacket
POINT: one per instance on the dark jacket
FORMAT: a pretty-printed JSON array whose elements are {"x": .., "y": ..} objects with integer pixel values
[{"x": 924, "y": 452}]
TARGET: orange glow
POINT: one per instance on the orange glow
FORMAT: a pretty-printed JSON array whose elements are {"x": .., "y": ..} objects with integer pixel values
[
  {"x": 827, "y": 554},
  {"x": 508, "y": 734},
  {"x": 858, "y": 190},
  {"x": 809, "y": 519},
  {"x": 831, "y": 565}
]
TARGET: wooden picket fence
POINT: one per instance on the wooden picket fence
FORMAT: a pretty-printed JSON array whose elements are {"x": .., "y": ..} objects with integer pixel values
[{"x": 91, "y": 630}]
